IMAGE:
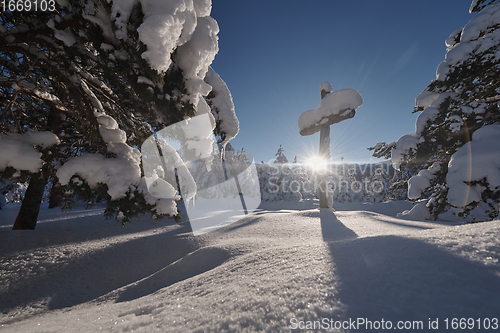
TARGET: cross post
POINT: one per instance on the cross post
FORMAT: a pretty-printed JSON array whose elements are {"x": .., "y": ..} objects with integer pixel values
[
  {"x": 324, "y": 152},
  {"x": 334, "y": 107}
]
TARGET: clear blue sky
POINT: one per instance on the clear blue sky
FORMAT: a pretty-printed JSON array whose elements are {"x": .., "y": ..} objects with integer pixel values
[{"x": 274, "y": 54}]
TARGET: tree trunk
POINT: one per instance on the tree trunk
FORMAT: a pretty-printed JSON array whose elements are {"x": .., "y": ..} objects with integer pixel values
[
  {"x": 56, "y": 193},
  {"x": 55, "y": 124},
  {"x": 28, "y": 214}
]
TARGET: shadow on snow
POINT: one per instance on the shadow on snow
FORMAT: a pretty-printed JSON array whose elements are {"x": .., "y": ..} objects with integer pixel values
[
  {"x": 97, "y": 273},
  {"x": 397, "y": 278}
]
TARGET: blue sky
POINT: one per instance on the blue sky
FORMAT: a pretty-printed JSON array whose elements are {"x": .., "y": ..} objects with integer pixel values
[{"x": 274, "y": 54}]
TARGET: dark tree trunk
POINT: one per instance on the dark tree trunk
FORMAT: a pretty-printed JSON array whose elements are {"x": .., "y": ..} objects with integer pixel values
[
  {"x": 55, "y": 124},
  {"x": 28, "y": 214},
  {"x": 56, "y": 192}
]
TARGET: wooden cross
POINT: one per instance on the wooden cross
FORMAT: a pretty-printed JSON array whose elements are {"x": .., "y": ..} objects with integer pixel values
[{"x": 323, "y": 127}]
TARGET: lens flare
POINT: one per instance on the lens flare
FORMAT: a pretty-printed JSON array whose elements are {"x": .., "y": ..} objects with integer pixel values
[{"x": 317, "y": 163}]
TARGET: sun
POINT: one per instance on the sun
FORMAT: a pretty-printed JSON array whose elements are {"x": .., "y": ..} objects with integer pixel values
[{"x": 317, "y": 163}]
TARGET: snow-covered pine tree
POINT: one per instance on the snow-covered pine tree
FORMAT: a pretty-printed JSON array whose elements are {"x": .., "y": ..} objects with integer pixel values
[
  {"x": 339, "y": 184},
  {"x": 397, "y": 186},
  {"x": 479, "y": 5},
  {"x": 376, "y": 185},
  {"x": 303, "y": 177},
  {"x": 354, "y": 184},
  {"x": 383, "y": 150},
  {"x": 282, "y": 180},
  {"x": 455, "y": 145},
  {"x": 278, "y": 174},
  {"x": 280, "y": 156},
  {"x": 93, "y": 75},
  {"x": 268, "y": 188},
  {"x": 291, "y": 183}
]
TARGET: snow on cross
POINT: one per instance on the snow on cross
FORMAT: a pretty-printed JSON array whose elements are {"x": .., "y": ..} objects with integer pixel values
[{"x": 334, "y": 108}]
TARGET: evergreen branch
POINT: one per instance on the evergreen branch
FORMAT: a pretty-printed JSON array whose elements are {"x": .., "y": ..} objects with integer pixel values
[
  {"x": 489, "y": 99},
  {"x": 46, "y": 97},
  {"x": 9, "y": 109}
]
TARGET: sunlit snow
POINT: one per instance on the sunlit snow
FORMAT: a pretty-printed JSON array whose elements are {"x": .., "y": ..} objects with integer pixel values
[{"x": 286, "y": 261}]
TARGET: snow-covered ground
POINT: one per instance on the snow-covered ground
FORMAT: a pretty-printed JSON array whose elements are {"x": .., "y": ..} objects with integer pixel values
[{"x": 279, "y": 269}]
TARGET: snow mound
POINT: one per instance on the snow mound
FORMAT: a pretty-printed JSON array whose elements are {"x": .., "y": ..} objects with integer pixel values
[{"x": 418, "y": 212}]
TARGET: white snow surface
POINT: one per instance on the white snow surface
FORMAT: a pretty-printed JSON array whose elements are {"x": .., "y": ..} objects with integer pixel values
[
  {"x": 472, "y": 5},
  {"x": 429, "y": 114},
  {"x": 404, "y": 146},
  {"x": 17, "y": 150},
  {"x": 452, "y": 40},
  {"x": 81, "y": 273},
  {"x": 333, "y": 104},
  {"x": 65, "y": 36},
  {"x": 223, "y": 101},
  {"x": 166, "y": 25},
  {"x": 418, "y": 212},
  {"x": 326, "y": 86},
  {"x": 477, "y": 159},
  {"x": 418, "y": 183},
  {"x": 182, "y": 25},
  {"x": 143, "y": 79},
  {"x": 121, "y": 173},
  {"x": 197, "y": 55}
]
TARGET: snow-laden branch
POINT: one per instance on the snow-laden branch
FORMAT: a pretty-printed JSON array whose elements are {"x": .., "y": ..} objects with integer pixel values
[{"x": 17, "y": 150}]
